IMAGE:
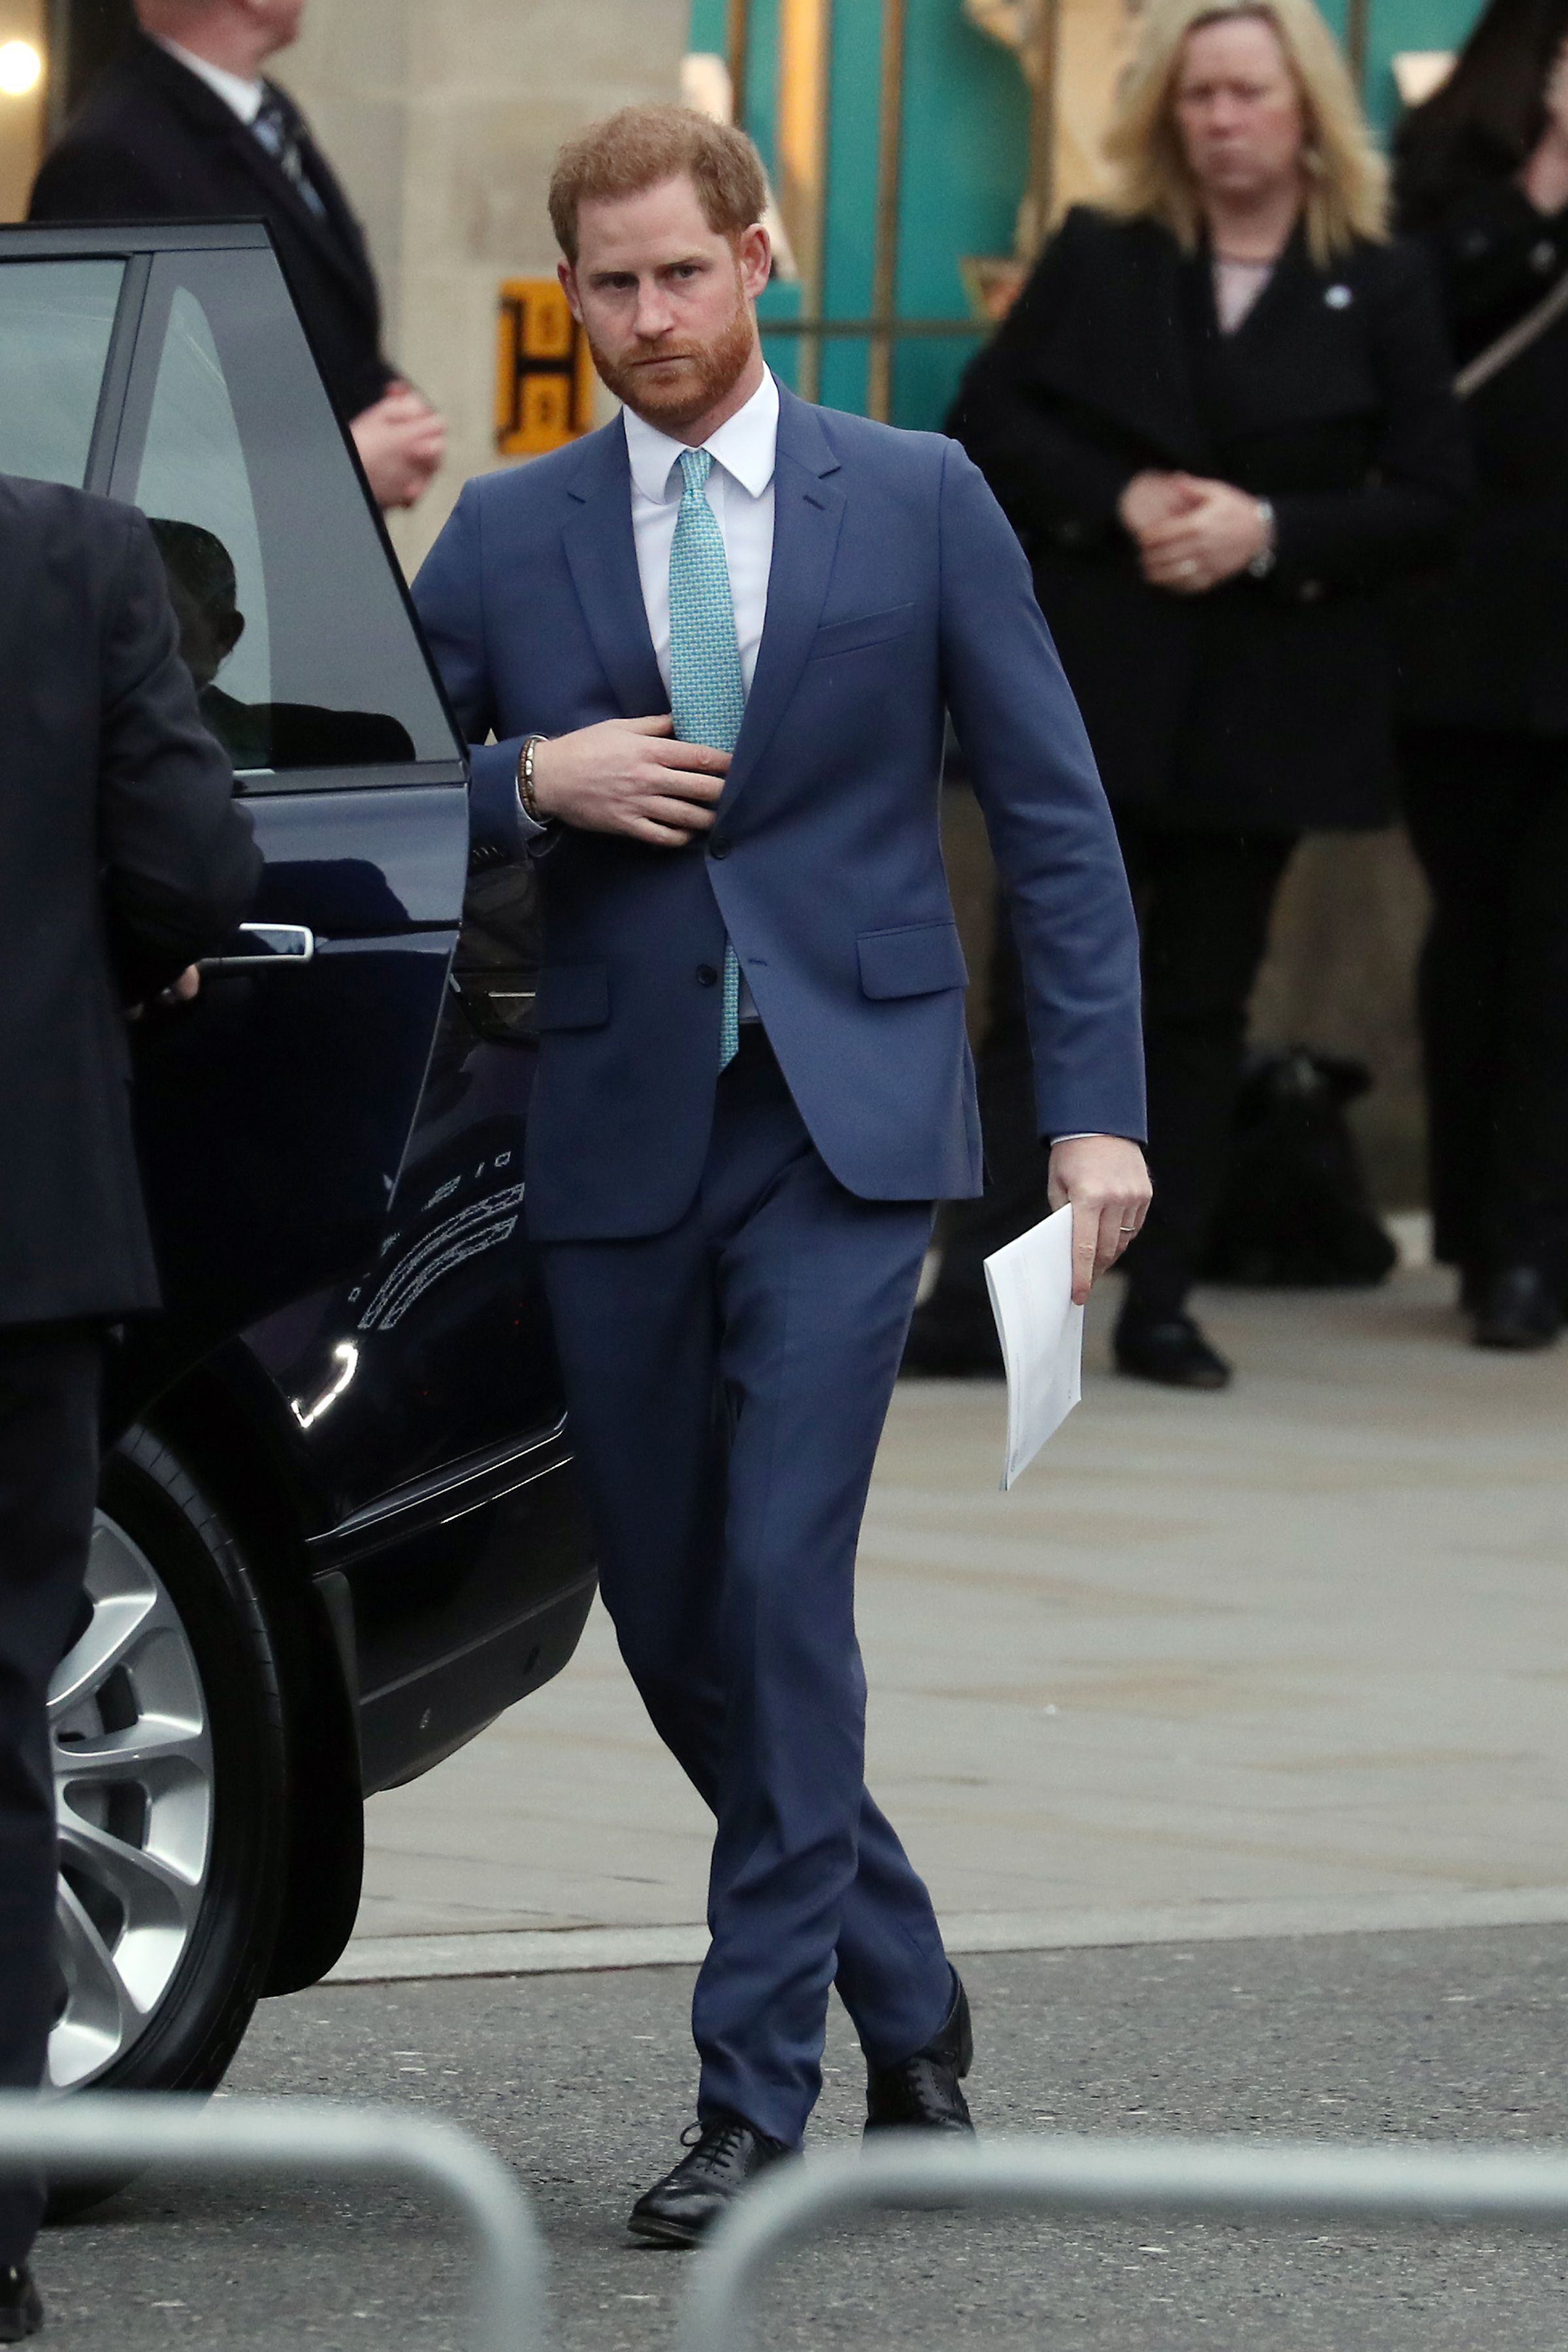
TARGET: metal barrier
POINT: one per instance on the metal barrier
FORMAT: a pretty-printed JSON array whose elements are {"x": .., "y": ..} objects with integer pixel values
[
  {"x": 1208, "y": 2177},
  {"x": 88, "y": 2137}
]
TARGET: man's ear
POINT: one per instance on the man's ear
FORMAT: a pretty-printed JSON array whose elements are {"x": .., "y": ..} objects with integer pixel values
[
  {"x": 754, "y": 252},
  {"x": 568, "y": 277}
]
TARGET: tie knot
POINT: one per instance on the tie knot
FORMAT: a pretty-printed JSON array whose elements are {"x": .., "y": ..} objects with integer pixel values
[{"x": 696, "y": 465}]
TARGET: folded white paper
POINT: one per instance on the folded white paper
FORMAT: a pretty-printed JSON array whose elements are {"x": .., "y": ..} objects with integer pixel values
[{"x": 1041, "y": 1330}]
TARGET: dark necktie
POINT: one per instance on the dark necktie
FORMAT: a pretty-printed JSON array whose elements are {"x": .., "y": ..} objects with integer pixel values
[{"x": 275, "y": 124}]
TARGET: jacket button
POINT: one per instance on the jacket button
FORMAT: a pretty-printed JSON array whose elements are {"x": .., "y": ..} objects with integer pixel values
[
  {"x": 705, "y": 976},
  {"x": 1312, "y": 590},
  {"x": 718, "y": 849}
]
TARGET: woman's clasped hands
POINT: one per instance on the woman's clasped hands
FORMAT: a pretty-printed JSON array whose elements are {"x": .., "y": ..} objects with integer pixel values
[{"x": 1192, "y": 534}]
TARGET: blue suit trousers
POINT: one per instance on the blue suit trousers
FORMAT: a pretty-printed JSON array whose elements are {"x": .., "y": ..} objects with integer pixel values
[{"x": 727, "y": 1381}]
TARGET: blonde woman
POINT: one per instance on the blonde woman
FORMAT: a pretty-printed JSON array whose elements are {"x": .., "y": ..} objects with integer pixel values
[{"x": 1220, "y": 418}]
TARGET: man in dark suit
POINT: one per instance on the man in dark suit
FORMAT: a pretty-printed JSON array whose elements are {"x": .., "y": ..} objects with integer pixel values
[
  {"x": 183, "y": 127},
  {"x": 740, "y": 620},
  {"x": 122, "y": 859}
]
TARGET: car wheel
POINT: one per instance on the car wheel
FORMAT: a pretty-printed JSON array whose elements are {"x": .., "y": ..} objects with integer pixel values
[{"x": 169, "y": 1759}]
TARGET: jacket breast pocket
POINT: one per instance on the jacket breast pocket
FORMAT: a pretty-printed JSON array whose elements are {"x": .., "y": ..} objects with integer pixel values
[
  {"x": 863, "y": 629},
  {"x": 916, "y": 959},
  {"x": 572, "y": 996}
]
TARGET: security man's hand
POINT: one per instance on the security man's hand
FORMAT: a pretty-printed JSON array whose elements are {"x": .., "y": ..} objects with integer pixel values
[
  {"x": 631, "y": 776},
  {"x": 1104, "y": 1179}
]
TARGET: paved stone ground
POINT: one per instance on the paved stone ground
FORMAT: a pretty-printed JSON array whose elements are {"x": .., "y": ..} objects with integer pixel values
[
  {"x": 582, "y": 2083},
  {"x": 1306, "y": 1641},
  {"x": 1299, "y": 1648}
]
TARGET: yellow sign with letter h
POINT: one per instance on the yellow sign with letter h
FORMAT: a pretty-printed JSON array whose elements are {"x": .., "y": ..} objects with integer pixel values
[{"x": 544, "y": 376}]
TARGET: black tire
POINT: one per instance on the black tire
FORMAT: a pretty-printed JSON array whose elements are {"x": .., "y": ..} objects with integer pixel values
[{"x": 181, "y": 2033}]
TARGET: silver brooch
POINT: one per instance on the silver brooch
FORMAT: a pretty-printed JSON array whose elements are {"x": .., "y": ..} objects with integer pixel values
[{"x": 1338, "y": 297}]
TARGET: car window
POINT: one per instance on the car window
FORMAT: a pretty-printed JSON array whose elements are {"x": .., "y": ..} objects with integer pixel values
[
  {"x": 292, "y": 617},
  {"x": 56, "y": 319},
  {"x": 196, "y": 485}
]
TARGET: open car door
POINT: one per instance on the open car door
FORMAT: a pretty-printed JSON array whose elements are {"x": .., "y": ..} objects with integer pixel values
[{"x": 166, "y": 367}]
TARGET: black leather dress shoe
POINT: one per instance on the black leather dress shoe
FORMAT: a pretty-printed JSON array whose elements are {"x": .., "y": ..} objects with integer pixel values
[
  {"x": 1169, "y": 1349},
  {"x": 953, "y": 1345},
  {"x": 727, "y": 2155},
  {"x": 921, "y": 2092},
  {"x": 21, "y": 2310},
  {"x": 1517, "y": 1308}
]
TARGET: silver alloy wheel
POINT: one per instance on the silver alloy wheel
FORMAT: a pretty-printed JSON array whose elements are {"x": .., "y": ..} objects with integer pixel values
[{"x": 133, "y": 1794}]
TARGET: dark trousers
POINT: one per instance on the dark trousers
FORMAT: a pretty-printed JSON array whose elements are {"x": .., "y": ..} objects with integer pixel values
[
  {"x": 727, "y": 1382},
  {"x": 1204, "y": 902},
  {"x": 1489, "y": 817},
  {"x": 48, "y": 1478}
]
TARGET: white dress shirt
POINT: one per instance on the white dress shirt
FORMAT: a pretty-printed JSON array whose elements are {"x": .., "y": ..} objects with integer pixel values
[
  {"x": 244, "y": 97},
  {"x": 739, "y": 489}
]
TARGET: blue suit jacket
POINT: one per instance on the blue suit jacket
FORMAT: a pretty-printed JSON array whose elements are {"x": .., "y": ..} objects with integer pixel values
[{"x": 898, "y": 589}]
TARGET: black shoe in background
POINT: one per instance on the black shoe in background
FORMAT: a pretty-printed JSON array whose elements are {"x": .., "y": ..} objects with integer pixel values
[
  {"x": 1517, "y": 1308},
  {"x": 922, "y": 2093},
  {"x": 952, "y": 1342},
  {"x": 21, "y": 2308},
  {"x": 1169, "y": 1349},
  {"x": 726, "y": 2156}
]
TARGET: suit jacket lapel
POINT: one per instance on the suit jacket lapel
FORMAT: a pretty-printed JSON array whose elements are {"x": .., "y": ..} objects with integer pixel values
[
  {"x": 808, "y": 510},
  {"x": 602, "y": 556},
  {"x": 334, "y": 232}
]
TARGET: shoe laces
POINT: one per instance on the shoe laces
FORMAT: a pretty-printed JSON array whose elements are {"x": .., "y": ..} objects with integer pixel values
[{"x": 718, "y": 2140}]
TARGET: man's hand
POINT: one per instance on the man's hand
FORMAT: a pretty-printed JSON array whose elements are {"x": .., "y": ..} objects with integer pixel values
[
  {"x": 1215, "y": 537},
  {"x": 631, "y": 776},
  {"x": 1105, "y": 1181},
  {"x": 1152, "y": 499},
  {"x": 401, "y": 442},
  {"x": 179, "y": 991}
]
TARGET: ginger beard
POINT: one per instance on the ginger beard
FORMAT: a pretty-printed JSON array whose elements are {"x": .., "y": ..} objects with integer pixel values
[{"x": 671, "y": 388}]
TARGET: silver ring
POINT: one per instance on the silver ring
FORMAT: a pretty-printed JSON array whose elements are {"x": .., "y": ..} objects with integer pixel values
[{"x": 1188, "y": 568}]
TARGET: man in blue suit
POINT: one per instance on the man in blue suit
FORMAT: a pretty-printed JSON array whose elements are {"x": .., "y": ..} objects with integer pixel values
[{"x": 714, "y": 644}]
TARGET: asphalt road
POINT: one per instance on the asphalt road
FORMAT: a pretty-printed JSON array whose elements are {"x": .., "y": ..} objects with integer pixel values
[{"x": 582, "y": 2082}]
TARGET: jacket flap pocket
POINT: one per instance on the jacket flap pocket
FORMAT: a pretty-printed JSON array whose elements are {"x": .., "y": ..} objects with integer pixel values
[
  {"x": 572, "y": 996},
  {"x": 914, "y": 961},
  {"x": 864, "y": 629}
]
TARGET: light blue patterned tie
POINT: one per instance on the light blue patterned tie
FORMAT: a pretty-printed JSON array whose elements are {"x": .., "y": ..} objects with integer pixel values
[{"x": 706, "y": 691}]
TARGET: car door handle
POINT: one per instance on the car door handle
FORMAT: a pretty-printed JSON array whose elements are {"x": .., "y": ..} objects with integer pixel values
[{"x": 267, "y": 943}]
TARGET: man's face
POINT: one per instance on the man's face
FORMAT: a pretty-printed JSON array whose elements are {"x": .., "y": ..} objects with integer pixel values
[{"x": 666, "y": 300}]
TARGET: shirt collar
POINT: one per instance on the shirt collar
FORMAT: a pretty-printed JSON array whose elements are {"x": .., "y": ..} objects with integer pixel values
[
  {"x": 244, "y": 97},
  {"x": 746, "y": 447}
]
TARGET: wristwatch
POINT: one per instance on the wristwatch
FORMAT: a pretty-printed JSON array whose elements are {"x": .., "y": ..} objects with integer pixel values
[
  {"x": 1262, "y": 563},
  {"x": 530, "y": 808}
]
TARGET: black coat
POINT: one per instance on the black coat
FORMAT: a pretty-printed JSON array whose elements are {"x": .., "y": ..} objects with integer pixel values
[
  {"x": 1486, "y": 644},
  {"x": 122, "y": 859},
  {"x": 154, "y": 142},
  {"x": 1264, "y": 703}
]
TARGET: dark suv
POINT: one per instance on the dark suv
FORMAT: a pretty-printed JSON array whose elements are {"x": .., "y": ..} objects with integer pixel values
[{"x": 340, "y": 1529}]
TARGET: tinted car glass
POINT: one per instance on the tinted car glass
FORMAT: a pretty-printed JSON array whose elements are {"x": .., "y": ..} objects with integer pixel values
[
  {"x": 56, "y": 319},
  {"x": 302, "y": 646}
]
